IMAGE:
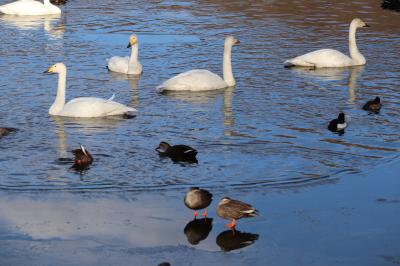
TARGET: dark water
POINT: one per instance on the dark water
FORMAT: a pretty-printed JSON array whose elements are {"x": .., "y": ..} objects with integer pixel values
[{"x": 266, "y": 134}]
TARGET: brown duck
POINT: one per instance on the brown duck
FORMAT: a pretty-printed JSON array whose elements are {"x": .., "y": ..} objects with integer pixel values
[
  {"x": 82, "y": 158},
  {"x": 198, "y": 199},
  {"x": 231, "y": 209},
  {"x": 373, "y": 105},
  {"x": 4, "y": 131}
]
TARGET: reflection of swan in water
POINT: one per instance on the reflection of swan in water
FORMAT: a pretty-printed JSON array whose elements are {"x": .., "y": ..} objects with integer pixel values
[
  {"x": 89, "y": 125},
  {"x": 61, "y": 135},
  {"x": 133, "y": 83},
  {"x": 352, "y": 82},
  {"x": 207, "y": 96},
  {"x": 194, "y": 96},
  {"x": 231, "y": 239},
  {"x": 333, "y": 74},
  {"x": 227, "y": 109},
  {"x": 47, "y": 22},
  {"x": 198, "y": 230}
]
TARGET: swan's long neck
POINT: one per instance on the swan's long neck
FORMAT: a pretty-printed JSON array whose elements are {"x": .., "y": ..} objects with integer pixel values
[
  {"x": 47, "y": 3},
  {"x": 134, "y": 55},
  {"x": 59, "y": 102},
  {"x": 357, "y": 57},
  {"x": 227, "y": 67}
]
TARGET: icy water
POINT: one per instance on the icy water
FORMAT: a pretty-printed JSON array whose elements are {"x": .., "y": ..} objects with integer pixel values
[{"x": 264, "y": 141}]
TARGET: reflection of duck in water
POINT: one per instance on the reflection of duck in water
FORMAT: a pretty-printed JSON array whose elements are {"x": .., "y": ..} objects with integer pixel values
[
  {"x": 230, "y": 240},
  {"x": 198, "y": 199},
  {"x": 234, "y": 209},
  {"x": 198, "y": 230},
  {"x": 4, "y": 131}
]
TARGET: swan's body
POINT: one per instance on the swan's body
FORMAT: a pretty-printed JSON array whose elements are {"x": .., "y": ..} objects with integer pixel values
[
  {"x": 204, "y": 80},
  {"x": 330, "y": 57},
  {"x": 30, "y": 8},
  {"x": 82, "y": 106},
  {"x": 127, "y": 64}
]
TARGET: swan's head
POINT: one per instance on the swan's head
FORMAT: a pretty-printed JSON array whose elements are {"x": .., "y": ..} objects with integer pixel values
[
  {"x": 133, "y": 39},
  {"x": 56, "y": 68},
  {"x": 359, "y": 23},
  {"x": 231, "y": 40}
]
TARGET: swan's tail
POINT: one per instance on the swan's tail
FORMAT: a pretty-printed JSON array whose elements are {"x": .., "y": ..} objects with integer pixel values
[
  {"x": 288, "y": 64},
  {"x": 160, "y": 89},
  {"x": 112, "y": 97}
]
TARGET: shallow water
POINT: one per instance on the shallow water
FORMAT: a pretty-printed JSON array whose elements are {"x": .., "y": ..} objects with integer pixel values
[{"x": 268, "y": 133}]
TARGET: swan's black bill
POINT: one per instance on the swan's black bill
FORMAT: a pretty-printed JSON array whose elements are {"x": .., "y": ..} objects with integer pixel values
[
  {"x": 129, "y": 45},
  {"x": 46, "y": 72},
  {"x": 367, "y": 26}
]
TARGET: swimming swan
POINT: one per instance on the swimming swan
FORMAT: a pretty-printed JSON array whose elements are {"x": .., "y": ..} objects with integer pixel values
[
  {"x": 82, "y": 106},
  {"x": 330, "y": 57},
  {"x": 30, "y": 8},
  {"x": 127, "y": 65},
  {"x": 203, "y": 80}
]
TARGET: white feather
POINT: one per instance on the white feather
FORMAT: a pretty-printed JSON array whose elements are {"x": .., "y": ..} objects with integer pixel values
[{"x": 30, "y": 8}]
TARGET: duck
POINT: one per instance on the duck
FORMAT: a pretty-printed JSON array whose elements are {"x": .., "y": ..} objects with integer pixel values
[
  {"x": 231, "y": 209},
  {"x": 229, "y": 240},
  {"x": 373, "y": 105},
  {"x": 127, "y": 65},
  {"x": 177, "y": 152},
  {"x": 333, "y": 58},
  {"x": 82, "y": 158},
  {"x": 204, "y": 80},
  {"x": 339, "y": 124},
  {"x": 4, "y": 131},
  {"x": 30, "y": 8},
  {"x": 82, "y": 106},
  {"x": 198, "y": 199},
  {"x": 198, "y": 230}
]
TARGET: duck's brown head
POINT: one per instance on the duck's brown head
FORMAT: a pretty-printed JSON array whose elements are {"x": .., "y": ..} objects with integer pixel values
[{"x": 163, "y": 147}]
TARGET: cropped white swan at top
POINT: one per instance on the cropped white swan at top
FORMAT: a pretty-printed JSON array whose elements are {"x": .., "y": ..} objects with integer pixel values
[
  {"x": 204, "y": 80},
  {"x": 127, "y": 65},
  {"x": 30, "y": 8},
  {"x": 82, "y": 106},
  {"x": 330, "y": 57}
]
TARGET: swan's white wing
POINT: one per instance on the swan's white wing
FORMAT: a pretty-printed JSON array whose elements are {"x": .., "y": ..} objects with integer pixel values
[
  {"x": 118, "y": 64},
  {"x": 194, "y": 80},
  {"x": 94, "y": 107},
  {"x": 321, "y": 58},
  {"x": 26, "y": 7}
]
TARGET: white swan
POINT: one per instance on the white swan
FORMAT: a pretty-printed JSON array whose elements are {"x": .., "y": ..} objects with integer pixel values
[
  {"x": 330, "y": 57},
  {"x": 127, "y": 65},
  {"x": 204, "y": 80},
  {"x": 30, "y": 8},
  {"x": 83, "y": 106}
]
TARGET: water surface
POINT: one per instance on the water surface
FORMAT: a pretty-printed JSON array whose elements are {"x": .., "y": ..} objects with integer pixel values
[{"x": 267, "y": 134}]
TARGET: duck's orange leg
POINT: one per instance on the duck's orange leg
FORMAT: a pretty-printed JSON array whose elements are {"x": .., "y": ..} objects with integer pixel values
[
  {"x": 232, "y": 225},
  {"x": 204, "y": 214},
  {"x": 195, "y": 214}
]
